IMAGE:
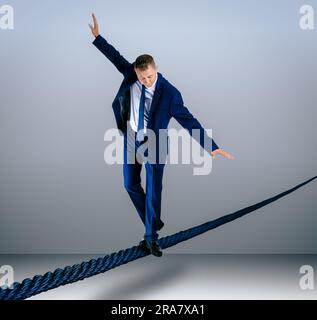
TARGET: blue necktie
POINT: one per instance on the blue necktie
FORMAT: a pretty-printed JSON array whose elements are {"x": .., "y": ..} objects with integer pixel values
[{"x": 141, "y": 113}]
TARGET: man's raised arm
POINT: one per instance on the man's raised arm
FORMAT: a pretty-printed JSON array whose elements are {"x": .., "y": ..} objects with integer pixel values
[
  {"x": 189, "y": 122},
  {"x": 108, "y": 50}
]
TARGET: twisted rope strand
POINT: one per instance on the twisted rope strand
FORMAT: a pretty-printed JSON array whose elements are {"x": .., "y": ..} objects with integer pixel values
[{"x": 50, "y": 280}]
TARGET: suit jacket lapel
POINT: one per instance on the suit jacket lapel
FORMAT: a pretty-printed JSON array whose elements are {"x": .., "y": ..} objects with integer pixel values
[{"x": 157, "y": 93}]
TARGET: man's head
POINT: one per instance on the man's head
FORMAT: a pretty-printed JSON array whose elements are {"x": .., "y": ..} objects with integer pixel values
[{"x": 146, "y": 69}]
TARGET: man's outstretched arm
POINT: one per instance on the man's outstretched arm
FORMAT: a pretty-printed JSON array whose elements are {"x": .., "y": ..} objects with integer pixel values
[
  {"x": 189, "y": 122},
  {"x": 108, "y": 50}
]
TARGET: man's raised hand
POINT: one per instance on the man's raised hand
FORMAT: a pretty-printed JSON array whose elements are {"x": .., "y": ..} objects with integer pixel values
[
  {"x": 222, "y": 153},
  {"x": 95, "y": 28}
]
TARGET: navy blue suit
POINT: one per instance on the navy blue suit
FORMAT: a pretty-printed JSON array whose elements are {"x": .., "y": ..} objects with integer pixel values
[{"x": 167, "y": 103}]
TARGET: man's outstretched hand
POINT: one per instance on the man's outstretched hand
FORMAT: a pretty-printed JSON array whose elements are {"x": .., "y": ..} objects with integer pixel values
[
  {"x": 95, "y": 28},
  {"x": 222, "y": 153}
]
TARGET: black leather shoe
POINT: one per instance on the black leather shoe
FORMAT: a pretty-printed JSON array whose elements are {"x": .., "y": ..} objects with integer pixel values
[
  {"x": 160, "y": 225},
  {"x": 144, "y": 246},
  {"x": 151, "y": 246},
  {"x": 154, "y": 248}
]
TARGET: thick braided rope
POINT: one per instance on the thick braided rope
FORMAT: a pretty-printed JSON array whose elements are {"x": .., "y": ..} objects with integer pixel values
[{"x": 50, "y": 280}]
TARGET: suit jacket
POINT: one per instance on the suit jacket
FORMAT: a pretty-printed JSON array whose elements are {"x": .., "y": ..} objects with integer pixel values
[{"x": 167, "y": 100}]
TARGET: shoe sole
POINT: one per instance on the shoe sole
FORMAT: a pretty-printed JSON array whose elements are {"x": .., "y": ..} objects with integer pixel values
[{"x": 157, "y": 254}]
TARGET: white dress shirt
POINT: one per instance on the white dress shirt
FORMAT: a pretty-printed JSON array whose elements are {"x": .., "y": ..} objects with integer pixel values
[{"x": 135, "y": 93}]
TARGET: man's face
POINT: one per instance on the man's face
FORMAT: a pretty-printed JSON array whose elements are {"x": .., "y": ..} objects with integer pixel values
[{"x": 147, "y": 77}]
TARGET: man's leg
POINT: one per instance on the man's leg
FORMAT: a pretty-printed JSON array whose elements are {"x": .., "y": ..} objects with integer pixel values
[
  {"x": 132, "y": 180},
  {"x": 154, "y": 179}
]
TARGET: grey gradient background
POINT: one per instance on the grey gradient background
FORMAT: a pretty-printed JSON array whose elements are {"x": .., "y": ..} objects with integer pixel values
[{"x": 245, "y": 69}]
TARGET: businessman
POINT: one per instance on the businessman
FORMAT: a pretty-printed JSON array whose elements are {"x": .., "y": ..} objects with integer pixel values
[{"x": 147, "y": 101}]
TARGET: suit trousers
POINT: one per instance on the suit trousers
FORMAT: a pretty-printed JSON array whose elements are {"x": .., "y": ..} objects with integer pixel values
[{"x": 147, "y": 204}]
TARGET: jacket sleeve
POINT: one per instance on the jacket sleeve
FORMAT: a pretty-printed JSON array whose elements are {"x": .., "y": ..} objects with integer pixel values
[
  {"x": 189, "y": 122},
  {"x": 112, "y": 54}
]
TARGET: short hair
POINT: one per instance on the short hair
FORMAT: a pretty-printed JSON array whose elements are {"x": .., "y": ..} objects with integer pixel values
[{"x": 143, "y": 61}]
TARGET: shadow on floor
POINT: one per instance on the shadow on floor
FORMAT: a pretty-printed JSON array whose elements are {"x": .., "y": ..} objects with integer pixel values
[{"x": 144, "y": 277}]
